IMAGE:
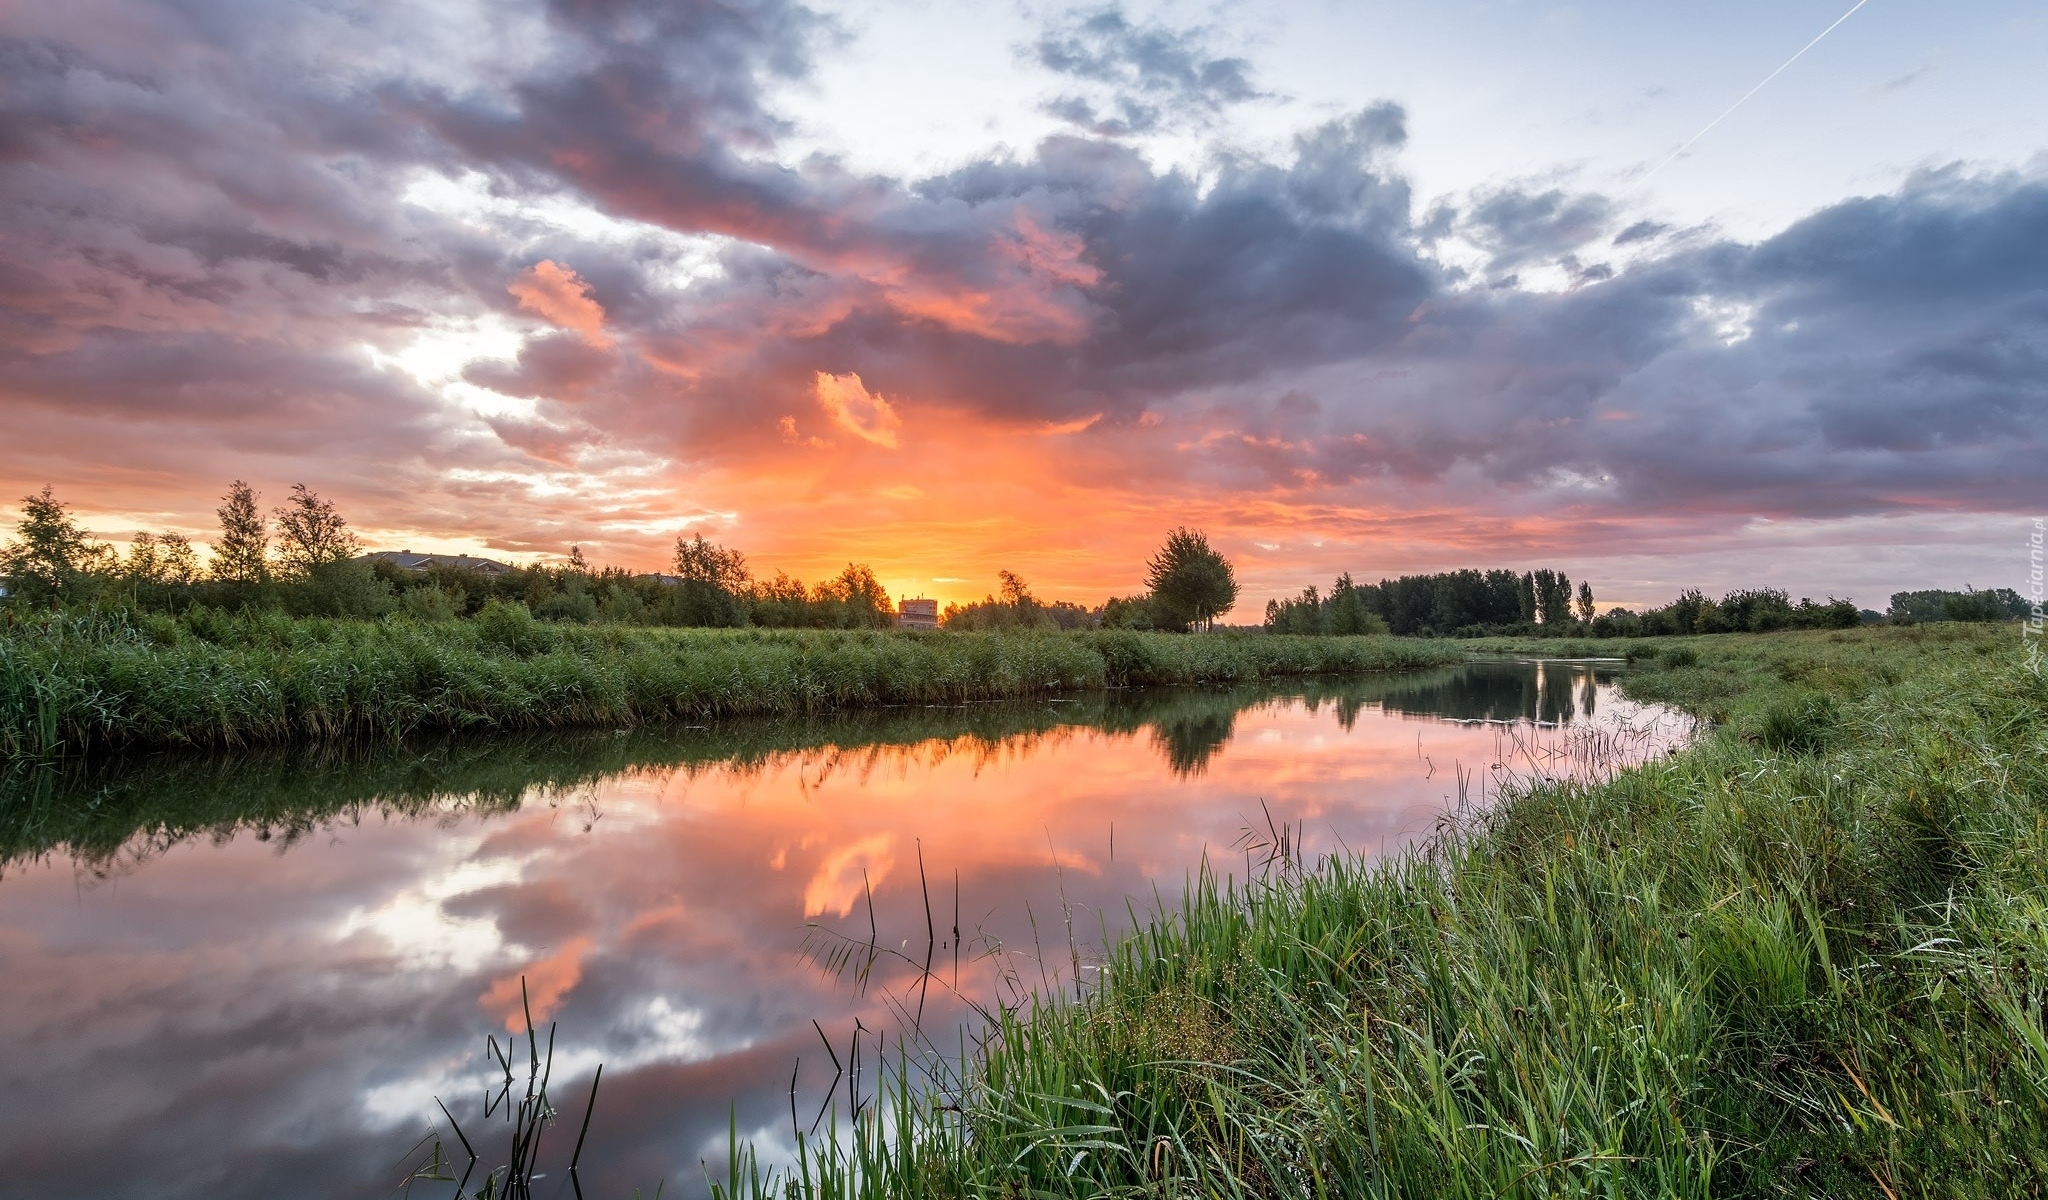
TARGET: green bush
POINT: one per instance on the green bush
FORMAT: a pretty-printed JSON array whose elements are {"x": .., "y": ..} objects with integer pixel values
[
  {"x": 432, "y": 603},
  {"x": 509, "y": 627},
  {"x": 1679, "y": 656},
  {"x": 1799, "y": 724}
]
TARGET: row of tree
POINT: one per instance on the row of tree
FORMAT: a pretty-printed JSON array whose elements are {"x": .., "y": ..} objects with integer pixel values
[
  {"x": 52, "y": 559},
  {"x": 1996, "y": 604},
  {"x": 302, "y": 557},
  {"x": 1188, "y": 584},
  {"x": 1444, "y": 604},
  {"x": 1016, "y": 608},
  {"x": 1747, "y": 610},
  {"x": 1543, "y": 602}
]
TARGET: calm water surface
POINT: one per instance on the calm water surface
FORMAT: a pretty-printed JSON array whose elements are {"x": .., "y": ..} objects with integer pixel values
[{"x": 250, "y": 976}]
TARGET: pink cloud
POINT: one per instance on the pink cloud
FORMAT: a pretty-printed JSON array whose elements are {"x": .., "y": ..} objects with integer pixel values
[
  {"x": 855, "y": 409},
  {"x": 558, "y": 295}
]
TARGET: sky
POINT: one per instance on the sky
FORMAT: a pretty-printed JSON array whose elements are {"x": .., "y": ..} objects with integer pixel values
[{"x": 949, "y": 288}]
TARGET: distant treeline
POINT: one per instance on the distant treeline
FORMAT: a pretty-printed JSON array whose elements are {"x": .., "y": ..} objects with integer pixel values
[
  {"x": 1441, "y": 605},
  {"x": 302, "y": 559},
  {"x": 1997, "y": 604},
  {"x": 1545, "y": 603}
]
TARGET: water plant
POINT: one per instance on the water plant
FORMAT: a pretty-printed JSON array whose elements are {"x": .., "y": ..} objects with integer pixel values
[{"x": 528, "y": 1112}]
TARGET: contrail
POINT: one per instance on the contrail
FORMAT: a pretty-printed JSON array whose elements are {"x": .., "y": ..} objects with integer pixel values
[{"x": 1758, "y": 88}]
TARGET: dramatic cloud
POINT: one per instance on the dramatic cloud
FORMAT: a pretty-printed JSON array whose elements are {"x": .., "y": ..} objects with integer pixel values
[
  {"x": 1148, "y": 76},
  {"x": 528, "y": 274}
]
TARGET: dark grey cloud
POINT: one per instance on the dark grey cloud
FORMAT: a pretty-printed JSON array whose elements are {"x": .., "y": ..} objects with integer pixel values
[
  {"x": 1147, "y": 76},
  {"x": 1883, "y": 354},
  {"x": 1640, "y": 231},
  {"x": 1519, "y": 228}
]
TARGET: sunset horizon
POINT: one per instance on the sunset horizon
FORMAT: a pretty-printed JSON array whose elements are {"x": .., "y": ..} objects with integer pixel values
[
  {"x": 606, "y": 275},
  {"x": 884, "y": 599}
]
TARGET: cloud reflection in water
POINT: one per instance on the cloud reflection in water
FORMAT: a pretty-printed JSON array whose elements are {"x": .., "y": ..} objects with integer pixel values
[{"x": 250, "y": 976}]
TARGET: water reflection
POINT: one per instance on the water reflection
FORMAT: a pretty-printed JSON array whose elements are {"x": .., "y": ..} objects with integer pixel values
[{"x": 248, "y": 975}]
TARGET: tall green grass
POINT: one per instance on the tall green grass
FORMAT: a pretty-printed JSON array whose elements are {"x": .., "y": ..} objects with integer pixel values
[
  {"x": 97, "y": 809},
  {"x": 1808, "y": 957},
  {"x": 71, "y": 685}
]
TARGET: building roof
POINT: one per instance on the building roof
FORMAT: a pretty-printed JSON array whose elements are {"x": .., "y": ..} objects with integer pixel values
[{"x": 406, "y": 560}]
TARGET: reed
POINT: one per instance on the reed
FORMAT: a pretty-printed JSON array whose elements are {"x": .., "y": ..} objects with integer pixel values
[
  {"x": 1809, "y": 956},
  {"x": 103, "y": 810},
  {"x": 73, "y": 685}
]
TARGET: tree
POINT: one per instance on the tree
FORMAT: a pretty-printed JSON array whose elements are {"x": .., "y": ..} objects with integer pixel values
[
  {"x": 1130, "y": 612},
  {"x": 51, "y": 558},
  {"x": 242, "y": 555},
  {"x": 1526, "y": 596},
  {"x": 712, "y": 580},
  {"x": 778, "y": 603},
  {"x": 176, "y": 559},
  {"x": 1553, "y": 596},
  {"x": 865, "y": 601},
  {"x": 161, "y": 558},
  {"x": 1689, "y": 612},
  {"x": 311, "y": 534},
  {"x": 1585, "y": 601},
  {"x": 699, "y": 561},
  {"x": 577, "y": 562},
  {"x": 1190, "y": 581},
  {"x": 1017, "y": 608},
  {"x": 1348, "y": 612}
]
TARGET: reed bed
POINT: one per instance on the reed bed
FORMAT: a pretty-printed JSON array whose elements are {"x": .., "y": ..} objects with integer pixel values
[
  {"x": 102, "y": 809},
  {"x": 78, "y": 684},
  {"x": 1807, "y": 957}
]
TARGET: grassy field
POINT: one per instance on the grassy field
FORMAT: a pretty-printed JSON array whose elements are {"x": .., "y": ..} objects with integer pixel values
[
  {"x": 74, "y": 685},
  {"x": 1808, "y": 957}
]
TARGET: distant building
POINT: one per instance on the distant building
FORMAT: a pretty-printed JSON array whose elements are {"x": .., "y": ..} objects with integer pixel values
[
  {"x": 917, "y": 614},
  {"x": 406, "y": 560}
]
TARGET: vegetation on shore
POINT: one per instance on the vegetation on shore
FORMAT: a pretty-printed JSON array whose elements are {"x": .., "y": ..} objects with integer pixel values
[
  {"x": 71, "y": 684},
  {"x": 96, "y": 809},
  {"x": 1808, "y": 956},
  {"x": 303, "y": 559},
  {"x": 1542, "y": 603}
]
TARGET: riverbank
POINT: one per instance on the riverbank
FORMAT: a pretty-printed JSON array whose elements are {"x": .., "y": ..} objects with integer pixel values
[
  {"x": 93, "y": 809},
  {"x": 1808, "y": 956},
  {"x": 78, "y": 685}
]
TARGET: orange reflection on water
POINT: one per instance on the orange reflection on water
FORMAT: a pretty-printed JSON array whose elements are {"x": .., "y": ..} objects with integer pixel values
[{"x": 656, "y": 911}]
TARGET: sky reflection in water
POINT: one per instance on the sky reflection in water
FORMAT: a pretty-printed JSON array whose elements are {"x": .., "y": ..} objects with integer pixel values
[{"x": 250, "y": 976}]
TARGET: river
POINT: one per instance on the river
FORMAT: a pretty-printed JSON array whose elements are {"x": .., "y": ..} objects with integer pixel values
[{"x": 252, "y": 975}]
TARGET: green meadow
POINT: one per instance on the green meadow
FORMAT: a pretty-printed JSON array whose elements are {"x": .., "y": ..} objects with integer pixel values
[{"x": 1806, "y": 957}]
